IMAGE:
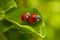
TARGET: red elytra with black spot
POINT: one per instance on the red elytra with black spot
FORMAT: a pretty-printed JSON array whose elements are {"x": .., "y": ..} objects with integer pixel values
[
  {"x": 32, "y": 18},
  {"x": 23, "y": 16}
]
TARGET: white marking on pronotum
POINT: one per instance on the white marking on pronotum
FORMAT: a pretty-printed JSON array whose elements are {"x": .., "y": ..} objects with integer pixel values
[
  {"x": 38, "y": 18},
  {"x": 27, "y": 15}
]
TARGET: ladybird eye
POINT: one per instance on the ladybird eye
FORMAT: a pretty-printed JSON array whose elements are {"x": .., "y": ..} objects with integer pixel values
[{"x": 38, "y": 18}]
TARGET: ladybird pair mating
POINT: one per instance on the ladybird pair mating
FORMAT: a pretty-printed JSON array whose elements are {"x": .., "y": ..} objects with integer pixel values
[{"x": 30, "y": 18}]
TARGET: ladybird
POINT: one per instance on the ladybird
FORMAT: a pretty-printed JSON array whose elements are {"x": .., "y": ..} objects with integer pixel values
[
  {"x": 32, "y": 18},
  {"x": 24, "y": 16}
]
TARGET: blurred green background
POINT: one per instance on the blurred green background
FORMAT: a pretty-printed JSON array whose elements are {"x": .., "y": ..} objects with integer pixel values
[
  {"x": 50, "y": 11},
  {"x": 11, "y": 27}
]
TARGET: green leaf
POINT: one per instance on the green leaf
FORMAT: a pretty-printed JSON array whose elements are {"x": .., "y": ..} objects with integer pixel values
[
  {"x": 12, "y": 34},
  {"x": 2, "y": 37},
  {"x": 14, "y": 16},
  {"x": 1, "y": 16},
  {"x": 21, "y": 33},
  {"x": 41, "y": 30},
  {"x": 6, "y": 5},
  {"x": 5, "y": 25}
]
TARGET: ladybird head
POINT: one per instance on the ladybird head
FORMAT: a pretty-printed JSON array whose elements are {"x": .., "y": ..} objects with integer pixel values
[{"x": 38, "y": 18}]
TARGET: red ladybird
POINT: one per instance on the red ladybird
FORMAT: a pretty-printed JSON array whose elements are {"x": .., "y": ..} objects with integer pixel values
[
  {"x": 32, "y": 18},
  {"x": 24, "y": 16}
]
